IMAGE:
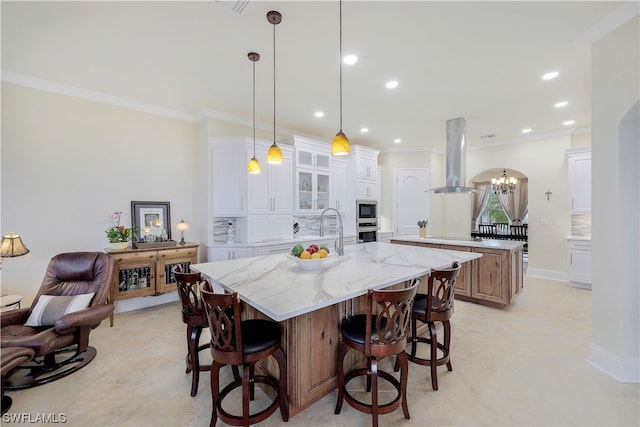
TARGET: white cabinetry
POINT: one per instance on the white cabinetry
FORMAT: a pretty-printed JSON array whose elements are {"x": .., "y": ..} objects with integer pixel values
[
  {"x": 365, "y": 163},
  {"x": 225, "y": 253},
  {"x": 579, "y": 169},
  {"x": 313, "y": 175},
  {"x": 338, "y": 184},
  {"x": 580, "y": 263},
  {"x": 229, "y": 174},
  {"x": 270, "y": 192}
]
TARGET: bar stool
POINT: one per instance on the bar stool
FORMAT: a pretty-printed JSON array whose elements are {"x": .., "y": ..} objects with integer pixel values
[
  {"x": 435, "y": 306},
  {"x": 194, "y": 317},
  {"x": 242, "y": 343},
  {"x": 377, "y": 336}
]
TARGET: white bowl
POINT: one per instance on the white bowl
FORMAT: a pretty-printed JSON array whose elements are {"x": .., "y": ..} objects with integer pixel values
[{"x": 308, "y": 264}]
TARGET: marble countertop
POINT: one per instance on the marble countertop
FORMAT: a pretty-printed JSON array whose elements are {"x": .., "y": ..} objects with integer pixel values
[
  {"x": 276, "y": 286},
  {"x": 458, "y": 241}
]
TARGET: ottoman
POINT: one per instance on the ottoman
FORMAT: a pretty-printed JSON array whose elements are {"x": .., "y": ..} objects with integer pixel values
[{"x": 10, "y": 358}]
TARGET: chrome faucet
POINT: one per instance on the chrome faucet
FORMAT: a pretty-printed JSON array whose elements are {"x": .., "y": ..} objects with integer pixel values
[{"x": 340, "y": 244}]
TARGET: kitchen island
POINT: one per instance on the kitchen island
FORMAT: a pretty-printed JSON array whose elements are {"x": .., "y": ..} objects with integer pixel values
[
  {"x": 495, "y": 279},
  {"x": 310, "y": 304}
]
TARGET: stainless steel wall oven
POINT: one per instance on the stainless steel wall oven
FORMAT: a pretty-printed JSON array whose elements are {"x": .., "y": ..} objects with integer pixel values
[{"x": 367, "y": 220}]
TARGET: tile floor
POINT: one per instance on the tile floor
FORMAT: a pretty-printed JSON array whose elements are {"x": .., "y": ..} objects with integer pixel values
[{"x": 522, "y": 366}]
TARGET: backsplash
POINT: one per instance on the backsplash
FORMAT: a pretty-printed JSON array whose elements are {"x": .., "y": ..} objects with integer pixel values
[
  {"x": 581, "y": 225},
  {"x": 221, "y": 227},
  {"x": 310, "y": 225}
]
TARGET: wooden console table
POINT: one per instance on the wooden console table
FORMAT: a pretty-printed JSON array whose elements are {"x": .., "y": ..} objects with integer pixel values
[{"x": 145, "y": 272}]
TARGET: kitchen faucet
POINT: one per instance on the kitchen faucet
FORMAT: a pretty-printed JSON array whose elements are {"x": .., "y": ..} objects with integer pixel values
[{"x": 340, "y": 245}]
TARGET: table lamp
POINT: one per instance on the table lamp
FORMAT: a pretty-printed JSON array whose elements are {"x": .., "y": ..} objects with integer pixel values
[
  {"x": 182, "y": 227},
  {"x": 12, "y": 247}
]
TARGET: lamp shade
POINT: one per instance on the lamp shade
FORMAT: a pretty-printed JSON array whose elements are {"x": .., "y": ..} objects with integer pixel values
[
  {"x": 12, "y": 246},
  {"x": 254, "y": 166},
  {"x": 182, "y": 226},
  {"x": 340, "y": 145},
  {"x": 274, "y": 155}
]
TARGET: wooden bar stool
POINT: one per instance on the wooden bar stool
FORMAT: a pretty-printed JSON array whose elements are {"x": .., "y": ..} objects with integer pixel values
[
  {"x": 194, "y": 317},
  {"x": 242, "y": 343},
  {"x": 377, "y": 336},
  {"x": 434, "y": 306}
]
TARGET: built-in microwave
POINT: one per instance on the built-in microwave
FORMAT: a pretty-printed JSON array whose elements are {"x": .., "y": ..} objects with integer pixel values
[{"x": 366, "y": 211}]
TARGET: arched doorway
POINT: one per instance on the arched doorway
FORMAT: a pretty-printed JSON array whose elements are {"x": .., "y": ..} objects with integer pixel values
[{"x": 506, "y": 213}]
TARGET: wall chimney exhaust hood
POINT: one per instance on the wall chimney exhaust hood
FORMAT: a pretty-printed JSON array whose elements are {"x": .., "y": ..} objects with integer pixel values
[{"x": 456, "y": 159}]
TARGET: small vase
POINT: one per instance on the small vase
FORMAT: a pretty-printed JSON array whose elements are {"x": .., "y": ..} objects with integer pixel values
[
  {"x": 118, "y": 246},
  {"x": 423, "y": 231}
]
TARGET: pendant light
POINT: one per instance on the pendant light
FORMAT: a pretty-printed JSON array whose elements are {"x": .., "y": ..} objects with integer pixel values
[
  {"x": 274, "y": 155},
  {"x": 340, "y": 145},
  {"x": 254, "y": 164}
]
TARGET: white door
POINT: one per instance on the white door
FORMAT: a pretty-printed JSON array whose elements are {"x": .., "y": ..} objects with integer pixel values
[{"x": 411, "y": 202}]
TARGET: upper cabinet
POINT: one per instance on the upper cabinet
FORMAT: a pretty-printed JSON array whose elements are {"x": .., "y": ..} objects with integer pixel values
[
  {"x": 579, "y": 169},
  {"x": 269, "y": 192},
  {"x": 338, "y": 184},
  {"x": 229, "y": 175},
  {"x": 364, "y": 162},
  {"x": 313, "y": 179}
]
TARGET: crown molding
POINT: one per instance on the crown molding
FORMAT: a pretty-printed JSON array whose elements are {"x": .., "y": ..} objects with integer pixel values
[
  {"x": 89, "y": 95},
  {"x": 527, "y": 138}
]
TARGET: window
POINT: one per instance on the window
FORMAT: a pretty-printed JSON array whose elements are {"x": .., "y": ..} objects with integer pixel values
[{"x": 492, "y": 212}]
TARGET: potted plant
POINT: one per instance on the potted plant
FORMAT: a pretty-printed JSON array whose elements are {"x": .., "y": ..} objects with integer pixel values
[{"x": 119, "y": 236}]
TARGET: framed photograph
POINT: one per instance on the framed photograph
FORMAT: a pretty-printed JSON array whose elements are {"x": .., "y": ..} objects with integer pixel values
[{"x": 151, "y": 220}]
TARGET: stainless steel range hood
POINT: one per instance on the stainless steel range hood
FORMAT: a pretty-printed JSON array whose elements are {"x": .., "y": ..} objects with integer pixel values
[{"x": 456, "y": 159}]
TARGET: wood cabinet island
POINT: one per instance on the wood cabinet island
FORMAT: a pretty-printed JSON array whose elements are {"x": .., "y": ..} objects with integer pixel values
[
  {"x": 495, "y": 279},
  {"x": 309, "y": 305}
]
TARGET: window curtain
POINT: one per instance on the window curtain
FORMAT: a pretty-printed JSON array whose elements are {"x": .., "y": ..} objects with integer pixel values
[
  {"x": 479, "y": 201},
  {"x": 516, "y": 204}
]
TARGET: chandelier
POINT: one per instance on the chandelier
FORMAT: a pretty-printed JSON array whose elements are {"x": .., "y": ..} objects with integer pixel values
[{"x": 504, "y": 184}]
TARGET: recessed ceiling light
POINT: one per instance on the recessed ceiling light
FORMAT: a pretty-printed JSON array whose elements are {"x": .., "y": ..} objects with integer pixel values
[
  {"x": 391, "y": 84},
  {"x": 318, "y": 114},
  {"x": 527, "y": 130},
  {"x": 397, "y": 141},
  {"x": 364, "y": 130},
  {"x": 569, "y": 122},
  {"x": 350, "y": 59},
  {"x": 551, "y": 75},
  {"x": 561, "y": 104}
]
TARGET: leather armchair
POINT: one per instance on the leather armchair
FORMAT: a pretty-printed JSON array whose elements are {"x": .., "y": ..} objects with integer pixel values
[{"x": 68, "y": 274}]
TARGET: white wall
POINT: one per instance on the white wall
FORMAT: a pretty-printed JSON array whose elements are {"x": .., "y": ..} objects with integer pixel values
[
  {"x": 615, "y": 344},
  {"x": 544, "y": 163},
  {"x": 67, "y": 164}
]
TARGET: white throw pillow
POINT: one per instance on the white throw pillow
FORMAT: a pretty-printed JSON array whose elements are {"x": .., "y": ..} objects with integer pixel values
[{"x": 52, "y": 307}]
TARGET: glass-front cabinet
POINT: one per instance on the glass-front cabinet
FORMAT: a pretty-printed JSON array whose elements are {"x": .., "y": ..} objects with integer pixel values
[{"x": 313, "y": 190}]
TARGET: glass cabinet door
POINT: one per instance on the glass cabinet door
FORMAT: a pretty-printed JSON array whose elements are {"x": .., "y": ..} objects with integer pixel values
[
  {"x": 322, "y": 191},
  {"x": 322, "y": 161},
  {"x": 305, "y": 190},
  {"x": 305, "y": 158}
]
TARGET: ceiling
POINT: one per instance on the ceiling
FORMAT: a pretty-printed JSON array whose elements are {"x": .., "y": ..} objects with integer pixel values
[{"x": 479, "y": 60}]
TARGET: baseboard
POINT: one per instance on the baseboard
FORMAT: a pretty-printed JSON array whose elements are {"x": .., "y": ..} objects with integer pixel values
[
  {"x": 131, "y": 304},
  {"x": 622, "y": 370},
  {"x": 548, "y": 274}
]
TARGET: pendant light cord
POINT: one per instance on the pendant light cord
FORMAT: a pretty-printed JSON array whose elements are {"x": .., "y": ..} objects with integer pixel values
[
  {"x": 340, "y": 65},
  {"x": 254, "y": 109},
  {"x": 274, "y": 83}
]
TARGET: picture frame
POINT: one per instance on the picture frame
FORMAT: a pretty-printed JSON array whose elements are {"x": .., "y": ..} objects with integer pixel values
[{"x": 150, "y": 219}]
